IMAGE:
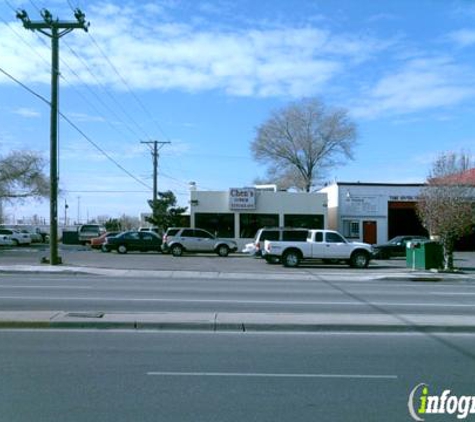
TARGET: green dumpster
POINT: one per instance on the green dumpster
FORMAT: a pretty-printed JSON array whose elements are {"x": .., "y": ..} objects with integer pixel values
[{"x": 424, "y": 255}]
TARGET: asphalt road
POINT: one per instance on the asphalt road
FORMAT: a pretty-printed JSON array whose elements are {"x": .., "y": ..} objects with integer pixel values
[
  {"x": 41, "y": 292},
  {"x": 149, "y": 376}
]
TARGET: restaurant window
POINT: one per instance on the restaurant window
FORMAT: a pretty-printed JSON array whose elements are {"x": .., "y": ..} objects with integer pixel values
[
  {"x": 219, "y": 224},
  {"x": 250, "y": 223},
  {"x": 308, "y": 221}
]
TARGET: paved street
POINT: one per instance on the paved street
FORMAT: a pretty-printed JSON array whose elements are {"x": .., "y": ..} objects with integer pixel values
[
  {"x": 202, "y": 338},
  {"x": 19, "y": 292},
  {"x": 150, "y": 376}
]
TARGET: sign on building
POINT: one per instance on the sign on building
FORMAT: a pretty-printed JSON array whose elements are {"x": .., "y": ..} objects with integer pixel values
[{"x": 242, "y": 199}]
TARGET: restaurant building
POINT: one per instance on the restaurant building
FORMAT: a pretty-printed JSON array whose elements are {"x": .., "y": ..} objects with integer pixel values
[{"x": 239, "y": 212}]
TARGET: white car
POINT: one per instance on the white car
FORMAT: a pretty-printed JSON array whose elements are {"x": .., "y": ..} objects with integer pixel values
[
  {"x": 5, "y": 240},
  {"x": 17, "y": 237},
  {"x": 35, "y": 237},
  {"x": 249, "y": 248}
]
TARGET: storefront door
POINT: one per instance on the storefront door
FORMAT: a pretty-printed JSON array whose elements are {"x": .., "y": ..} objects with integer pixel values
[{"x": 370, "y": 232}]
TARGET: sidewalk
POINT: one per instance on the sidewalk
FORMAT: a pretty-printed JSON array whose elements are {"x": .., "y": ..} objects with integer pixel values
[
  {"x": 304, "y": 273},
  {"x": 238, "y": 322}
]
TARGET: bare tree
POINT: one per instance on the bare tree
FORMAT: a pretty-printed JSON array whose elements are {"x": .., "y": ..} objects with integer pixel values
[
  {"x": 302, "y": 141},
  {"x": 446, "y": 204},
  {"x": 21, "y": 176}
]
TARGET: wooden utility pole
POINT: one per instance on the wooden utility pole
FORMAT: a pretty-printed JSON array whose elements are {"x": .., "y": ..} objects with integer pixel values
[
  {"x": 54, "y": 29},
  {"x": 155, "y": 156}
]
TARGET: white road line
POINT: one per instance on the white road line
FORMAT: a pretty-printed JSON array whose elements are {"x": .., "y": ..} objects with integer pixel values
[
  {"x": 12, "y": 286},
  {"x": 238, "y": 301},
  {"x": 269, "y": 375}
]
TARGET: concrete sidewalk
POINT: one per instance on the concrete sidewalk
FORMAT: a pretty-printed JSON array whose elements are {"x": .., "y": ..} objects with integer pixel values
[
  {"x": 303, "y": 273},
  {"x": 239, "y": 322}
]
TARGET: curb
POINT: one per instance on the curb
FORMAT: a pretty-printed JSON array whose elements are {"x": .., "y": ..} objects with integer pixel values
[
  {"x": 185, "y": 274},
  {"x": 239, "y": 322},
  {"x": 234, "y": 328}
]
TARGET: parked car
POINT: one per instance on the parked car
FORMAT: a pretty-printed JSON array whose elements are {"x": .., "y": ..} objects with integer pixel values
[
  {"x": 155, "y": 230},
  {"x": 97, "y": 242},
  {"x": 322, "y": 245},
  {"x": 18, "y": 238},
  {"x": 133, "y": 241},
  {"x": 184, "y": 239},
  {"x": 5, "y": 240},
  {"x": 35, "y": 236},
  {"x": 281, "y": 234},
  {"x": 394, "y": 247},
  {"x": 87, "y": 231}
]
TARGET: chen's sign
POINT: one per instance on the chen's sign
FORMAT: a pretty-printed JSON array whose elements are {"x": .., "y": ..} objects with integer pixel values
[{"x": 242, "y": 199}]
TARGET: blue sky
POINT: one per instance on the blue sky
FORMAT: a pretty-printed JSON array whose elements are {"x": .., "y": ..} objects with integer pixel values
[{"x": 204, "y": 74}]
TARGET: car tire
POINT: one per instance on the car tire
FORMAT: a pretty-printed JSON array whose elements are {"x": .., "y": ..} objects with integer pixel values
[
  {"x": 359, "y": 259},
  {"x": 273, "y": 260},
  {"x": 223, "y": 251},
  {"x": 15, "y": 242},
  {"x": 177, "y": 250},
  {"x": 291, "y": 259},
  {"x": 122, "y": 249}
]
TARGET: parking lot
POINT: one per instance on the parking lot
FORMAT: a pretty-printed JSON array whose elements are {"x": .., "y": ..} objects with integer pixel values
[{"x": 235, "y": 263}]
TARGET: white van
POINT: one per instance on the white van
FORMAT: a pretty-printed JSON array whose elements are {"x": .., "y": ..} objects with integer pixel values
[{"x": 87, "y": 231}]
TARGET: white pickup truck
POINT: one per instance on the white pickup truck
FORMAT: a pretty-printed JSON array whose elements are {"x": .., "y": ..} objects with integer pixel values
[{"x": 326, "y": 245}]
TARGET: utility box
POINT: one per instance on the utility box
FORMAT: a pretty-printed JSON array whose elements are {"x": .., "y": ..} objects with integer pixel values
[
  {"x": 424, "y": 255},
  {"x": 70, "y": 238}
]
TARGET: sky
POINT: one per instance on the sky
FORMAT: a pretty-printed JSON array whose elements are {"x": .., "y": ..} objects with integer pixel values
[{"x": 203, "y": 75}]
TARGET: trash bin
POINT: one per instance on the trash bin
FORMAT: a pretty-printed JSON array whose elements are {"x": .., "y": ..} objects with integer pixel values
[{"x": 424, "y": 255}]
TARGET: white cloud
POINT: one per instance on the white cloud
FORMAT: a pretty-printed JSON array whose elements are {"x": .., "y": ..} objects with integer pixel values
[
  {"x": 463, "y": 38},
  {"x": 27, "y": 112},
  {"x": 293, "y": 61},
  {"x": 419, "y": 84}
]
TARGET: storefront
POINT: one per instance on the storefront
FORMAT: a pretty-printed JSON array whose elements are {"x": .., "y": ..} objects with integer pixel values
[
  {"x": 373, "y": 212},
  {"x": 239, "y": 212}
]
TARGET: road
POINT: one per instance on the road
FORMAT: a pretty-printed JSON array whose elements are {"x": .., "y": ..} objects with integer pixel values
[
  {"x": 38, "y": 292},
  {"x": 150, "y": 376}
]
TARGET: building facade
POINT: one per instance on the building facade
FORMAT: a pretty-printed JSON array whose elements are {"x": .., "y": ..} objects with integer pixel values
[
  {"x": 373, "y": 212},
  {"x": 239, "y": 212}
]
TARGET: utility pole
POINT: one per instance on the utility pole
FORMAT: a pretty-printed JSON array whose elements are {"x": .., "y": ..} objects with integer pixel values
[
  {"x": 155, "y": 156},
  {"x": 54, "y": 29}
]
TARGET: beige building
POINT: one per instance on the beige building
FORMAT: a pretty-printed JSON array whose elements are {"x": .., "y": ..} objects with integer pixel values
[{"x": 239, "y": 212}]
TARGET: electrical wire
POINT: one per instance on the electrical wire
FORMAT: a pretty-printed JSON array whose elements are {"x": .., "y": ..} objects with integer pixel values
[
  {"x": 72, "y": 124},
  {"x": 126, "y": 84}
]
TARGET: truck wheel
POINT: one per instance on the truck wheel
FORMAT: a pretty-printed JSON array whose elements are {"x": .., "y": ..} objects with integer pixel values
[
  {"x": 177, "y": 250},
  {"x": 223, "y": 250},
  {"x": 291, "y": 259},
  {"x": 359, "y": 260},
  {"x": 272, "y": 259}
]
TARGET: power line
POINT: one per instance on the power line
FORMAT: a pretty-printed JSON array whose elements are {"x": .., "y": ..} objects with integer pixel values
[
  {"x": 126, "y": 84},
  {"x": 75, "y": 127}
]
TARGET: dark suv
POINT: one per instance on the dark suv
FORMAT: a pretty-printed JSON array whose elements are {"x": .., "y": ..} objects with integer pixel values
[
  {"x": 280, "y": 234},
  {"x": 184, "y": 239}
]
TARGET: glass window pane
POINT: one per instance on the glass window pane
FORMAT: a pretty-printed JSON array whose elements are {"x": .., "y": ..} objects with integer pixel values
[
  {"x": 251, "y": 223},
  {"x": 334, "y": 238},
  {"x": 218, "y": 224},
  {"x": 308, "y": 221}
]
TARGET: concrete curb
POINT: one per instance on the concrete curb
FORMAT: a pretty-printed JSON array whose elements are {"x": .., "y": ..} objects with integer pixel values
[
  {"x": 240, "y": 322},
  {"x": 360, "y": 275}
]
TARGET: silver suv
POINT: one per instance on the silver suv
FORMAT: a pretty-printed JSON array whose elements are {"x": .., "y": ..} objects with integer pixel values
[{"x": 183, "y": 239}]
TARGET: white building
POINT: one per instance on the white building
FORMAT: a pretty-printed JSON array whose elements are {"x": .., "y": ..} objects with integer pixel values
[
  {"x": 240, "y": 212},
  {"x": 373, "y": 212}
]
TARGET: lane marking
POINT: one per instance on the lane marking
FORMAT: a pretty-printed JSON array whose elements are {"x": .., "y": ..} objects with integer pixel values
[
  {"x": 236, "y": 301},
  {"x": 6, "y": 286},
  {"x": 269, "y": 375}
]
